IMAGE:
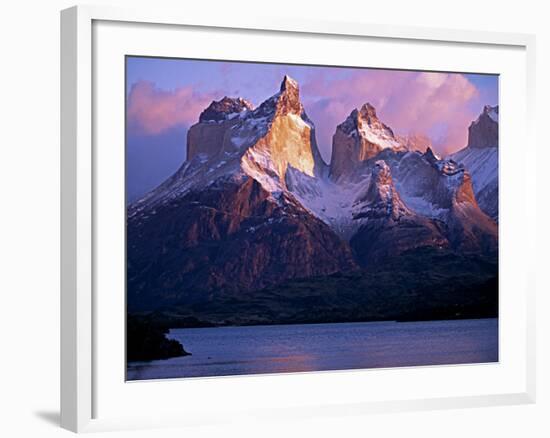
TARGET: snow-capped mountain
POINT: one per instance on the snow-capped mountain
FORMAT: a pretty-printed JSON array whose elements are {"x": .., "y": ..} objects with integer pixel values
[
  {"x": 233, "y": 141},
  {"x": 480, "y": 157},
  {"x": 428, "y": 186},
  {"x": 360, "y": 137},
  {"x": 225, "y": 220},
  {"x": 387, "y": 226},
  {"x": 255, "y": 205}
]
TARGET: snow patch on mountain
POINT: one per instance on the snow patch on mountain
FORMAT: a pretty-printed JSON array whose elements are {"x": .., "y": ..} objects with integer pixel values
[
  {"x": 378, "y": 177},
  {"x": 377, "y": 136},
  {"x": 493, "y": 114},
  {"x": 482, "y": 164},
  {"x": 333, "y": 203}
]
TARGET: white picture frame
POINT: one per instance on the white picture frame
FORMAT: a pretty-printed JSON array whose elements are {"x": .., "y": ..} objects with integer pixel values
[{"x": 80, "y": 367}]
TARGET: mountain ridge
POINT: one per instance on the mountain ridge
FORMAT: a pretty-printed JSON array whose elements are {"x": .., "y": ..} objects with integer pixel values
[{"x": 255, "y": 205}]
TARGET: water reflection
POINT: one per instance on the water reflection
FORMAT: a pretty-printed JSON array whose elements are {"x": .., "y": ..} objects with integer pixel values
[{"x": 318, "y": 347}]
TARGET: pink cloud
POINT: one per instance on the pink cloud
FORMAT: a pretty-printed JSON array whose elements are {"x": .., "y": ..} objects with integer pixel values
[
  {"x": 433, "y": 104},
  {"x": 151, "y": 110}
]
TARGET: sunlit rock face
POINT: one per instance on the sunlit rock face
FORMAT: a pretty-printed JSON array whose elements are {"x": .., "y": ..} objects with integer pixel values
[
  {"x": 267, "y": 140},
  {"x": 289, "y": 139},
  {"x": 470, "y": 229},
  {"x": 224, "y": 223},
  {"x": 360, "y": 137}
]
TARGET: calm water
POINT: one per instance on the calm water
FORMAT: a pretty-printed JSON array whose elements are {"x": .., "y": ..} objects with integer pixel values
[{"x": 225, "y": 351}]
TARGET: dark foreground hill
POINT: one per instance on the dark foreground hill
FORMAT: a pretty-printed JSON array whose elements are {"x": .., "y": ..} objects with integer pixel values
[
  {"x": 423, "y": 284},
  {"x": 255, "y": 228}
]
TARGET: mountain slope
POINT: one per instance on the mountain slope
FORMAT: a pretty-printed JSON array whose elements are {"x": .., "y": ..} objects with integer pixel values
[
  {"x": 390, "y": 228},
  {"x": 255, "y": 207},
  {"x": 226, "y": 240},
  {"x": 224, "y": 222}
]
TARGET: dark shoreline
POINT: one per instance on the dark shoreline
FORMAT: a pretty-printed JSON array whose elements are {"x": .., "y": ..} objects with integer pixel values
[
  {"x": 167, "y": 348},
  {"x": 146, "y": 342},
  {"x": 325, "y": 347},
  {"x": 166, "y": 326}
]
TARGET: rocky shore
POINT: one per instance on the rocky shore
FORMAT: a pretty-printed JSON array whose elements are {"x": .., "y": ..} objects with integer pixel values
[{"x": 146, "y": 341}]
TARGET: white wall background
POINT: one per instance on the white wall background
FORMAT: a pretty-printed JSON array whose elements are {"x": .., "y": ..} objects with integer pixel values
[{"x": 29, "y": 215}]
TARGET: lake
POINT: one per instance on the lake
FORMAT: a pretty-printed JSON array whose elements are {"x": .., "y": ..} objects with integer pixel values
[{"x": 223, "y": 351}]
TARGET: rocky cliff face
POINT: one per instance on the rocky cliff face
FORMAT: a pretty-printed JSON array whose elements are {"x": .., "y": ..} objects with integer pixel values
[
  {"x": 389, "y": 227},
  {"x": 442, "y": 190},
  {"x": 224, "y": 109},
  {"x": 483, "y": 132},
  {"x": 226, "y": 240},
  {"x": 470, "y": 229},
  {"x": 254, "y": 205},
  {"x": 360, "y": 137},
  {"x": 225, "y": 223},
  {"x": 212, "y": 134},
  {"x": 480, "y": 157},
  {"x": 289, "y": 140}
]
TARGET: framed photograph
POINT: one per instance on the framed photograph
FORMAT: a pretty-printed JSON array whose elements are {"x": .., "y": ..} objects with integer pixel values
[{"x": 256, "y": 209}]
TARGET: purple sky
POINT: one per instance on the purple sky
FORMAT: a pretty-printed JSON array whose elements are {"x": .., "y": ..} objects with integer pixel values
[{"x": 166, "y": 96}]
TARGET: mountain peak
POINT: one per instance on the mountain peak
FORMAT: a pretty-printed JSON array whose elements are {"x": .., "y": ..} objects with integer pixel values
[
  {"x": 360, "y": 137},
  {"x": 382, "y": 199},
  {"x": 365, "y": 117},
  {"x": 288, "y": 100},
  {"x": 491, "y": 111},
  {"x": 288, "y": 83},
  {"x": 430, "y": 156},
  {"x": 368, "y": 112},
  {"x": 219, "y": 110},
  {"x": 483, "y": 132}
]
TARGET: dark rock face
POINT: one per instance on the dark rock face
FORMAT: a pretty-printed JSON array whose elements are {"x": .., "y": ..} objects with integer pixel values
[
  {"x": 219, "y": 110},
  {"x": 448, "y": 211},
  {"x": 211, "y": 134},
  {"x": 226, "y": 241},
  {"x": 447, "y": 186},
  {"x": 391, "y": 227},
  {"x": 429, "y": 155},
  {"x": 487, "y": 198},
  {"x": 483, "y": 133},
  {"x": 207, "y": 138},
  {"x": 480, "y": 157}
]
